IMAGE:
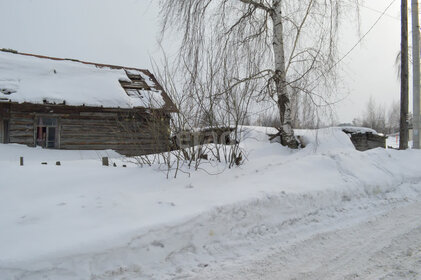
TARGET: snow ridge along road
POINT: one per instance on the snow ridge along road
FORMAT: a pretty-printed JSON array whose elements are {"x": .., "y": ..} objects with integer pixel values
[
  {"x": 323, "y": 212},
  {"x": 379, "y": 239},
  {"x": 324, "y": 235}
]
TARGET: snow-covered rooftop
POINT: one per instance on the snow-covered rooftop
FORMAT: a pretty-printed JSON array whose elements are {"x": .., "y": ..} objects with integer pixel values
[
  {"x": 357, "y": 129},
  {"x": 45, "y": 80}
]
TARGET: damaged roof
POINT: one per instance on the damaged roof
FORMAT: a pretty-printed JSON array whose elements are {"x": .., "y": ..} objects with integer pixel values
[{"x": 29, "y": 78}]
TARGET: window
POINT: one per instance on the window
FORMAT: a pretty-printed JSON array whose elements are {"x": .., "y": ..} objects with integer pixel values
[{"x": 47, "y": 132}]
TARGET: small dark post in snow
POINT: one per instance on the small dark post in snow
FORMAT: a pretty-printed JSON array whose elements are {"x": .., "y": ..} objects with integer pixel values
[
  {"x": 21, "y": 161},
  {"x": 58, "y": 163},
  {"x": 105, "y": 161},
  {"x": 115, "y": 165}
]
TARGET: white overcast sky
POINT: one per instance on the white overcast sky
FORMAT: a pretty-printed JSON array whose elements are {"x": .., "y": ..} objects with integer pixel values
[{"x": 124, "y": 32}]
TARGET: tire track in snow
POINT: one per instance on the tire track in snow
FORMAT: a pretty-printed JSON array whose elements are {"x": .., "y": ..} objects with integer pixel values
[{"x": 387, "y": 246}]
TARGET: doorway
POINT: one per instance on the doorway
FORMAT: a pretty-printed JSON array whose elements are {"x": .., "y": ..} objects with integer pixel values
[
  {"x": 47, "y": 135},
  {"x": 1, "y": 132},
  {"x": 4, "y": 131}
]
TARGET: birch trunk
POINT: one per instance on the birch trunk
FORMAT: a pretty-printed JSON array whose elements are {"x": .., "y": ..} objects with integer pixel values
[{"x": 284, "y": 105}]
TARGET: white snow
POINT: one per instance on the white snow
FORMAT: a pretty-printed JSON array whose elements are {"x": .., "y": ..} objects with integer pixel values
[
  {"x": 393, "y": 140},
  {"x": 41, "y": 80},
  {"x": 84, "y": 221},
  {"x": 147, "y": 79}
]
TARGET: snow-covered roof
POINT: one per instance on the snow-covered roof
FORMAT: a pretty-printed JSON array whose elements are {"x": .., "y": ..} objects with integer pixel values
[
  {"x": 27, "y": 78},
  {"x": 357, "y": 129}
]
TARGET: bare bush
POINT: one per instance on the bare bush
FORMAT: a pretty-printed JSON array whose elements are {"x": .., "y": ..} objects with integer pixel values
[
  {"x": 375, "y": 116},
  {"x": 211, "y": 111}
]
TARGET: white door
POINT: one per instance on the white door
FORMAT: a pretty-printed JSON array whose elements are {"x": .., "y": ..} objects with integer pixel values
[{"x": 1, "y": 131}]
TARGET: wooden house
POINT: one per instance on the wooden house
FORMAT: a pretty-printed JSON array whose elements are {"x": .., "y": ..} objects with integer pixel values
[{"x": 75, "y": 105}]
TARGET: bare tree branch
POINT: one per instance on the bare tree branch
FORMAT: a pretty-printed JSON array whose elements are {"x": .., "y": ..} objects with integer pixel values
[
  {"x": 258, "y": 5},
  {"x": 227, "y": 46}
]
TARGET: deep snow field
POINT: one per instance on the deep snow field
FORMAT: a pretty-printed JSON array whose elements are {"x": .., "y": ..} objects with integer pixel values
[{"x": 323, "y": 212}]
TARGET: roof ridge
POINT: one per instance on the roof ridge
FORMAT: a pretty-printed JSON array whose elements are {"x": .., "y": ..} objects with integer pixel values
[{"x": 74, "y": 60}]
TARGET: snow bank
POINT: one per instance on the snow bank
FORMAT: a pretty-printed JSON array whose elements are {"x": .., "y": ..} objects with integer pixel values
[
  {"x": 41, "y": 80},
  {"x": 10, "y": 154},
  {"x": 85, "y": 221},
  {"x": 315, "y": 140}
]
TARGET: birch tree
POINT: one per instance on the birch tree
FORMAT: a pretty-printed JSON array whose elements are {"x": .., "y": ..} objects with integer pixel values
[{"x": 291, "y": 45}]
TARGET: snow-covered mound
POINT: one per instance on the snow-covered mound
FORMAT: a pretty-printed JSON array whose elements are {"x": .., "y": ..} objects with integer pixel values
[
  {"x": 84, "y": 221},
  {"x": 10, "y": 154},
  {"x": 320, "y": 140}
]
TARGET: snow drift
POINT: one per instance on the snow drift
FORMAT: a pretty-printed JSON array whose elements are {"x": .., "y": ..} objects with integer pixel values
[{"x": 85, "y": 221}]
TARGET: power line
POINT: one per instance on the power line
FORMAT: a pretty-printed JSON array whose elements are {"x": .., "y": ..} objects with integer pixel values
[
  {"x": 377, "y": 11},
  {"x": 359, "y": 41}
]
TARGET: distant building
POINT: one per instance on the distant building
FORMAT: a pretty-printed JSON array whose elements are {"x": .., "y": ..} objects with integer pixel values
[{"x": 69, "y": 104}]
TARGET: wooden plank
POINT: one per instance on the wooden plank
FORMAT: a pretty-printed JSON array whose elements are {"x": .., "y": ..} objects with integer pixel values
[
  {"x": 84, "y": 134},
  {"x": 89, "y": 127},
  {"x": 21, "y": 140},
  {"x": 78, "y": 118},
  {"x": 18, "y": 133},
  {"x": 108, "y": 134},
  {"x": 114, "y": 145},
  {"x": 101, "y": 122},
  {"x": 107, "y": 142},
  {"x": 21, "y": 121},
  {"x": 135, "y": 85},
  {"x": 99, "y": 114},
  {"x": 86, "y": 122},
  {"x": 22, "y": 126},
  {"x": 60, "y": 108},
  {"x": 84, "y": 129},
  {"x": 105, "y": 132}
]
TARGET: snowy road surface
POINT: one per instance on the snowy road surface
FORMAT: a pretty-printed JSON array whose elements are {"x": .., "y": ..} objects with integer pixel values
[{"x": 386, "y": 246}]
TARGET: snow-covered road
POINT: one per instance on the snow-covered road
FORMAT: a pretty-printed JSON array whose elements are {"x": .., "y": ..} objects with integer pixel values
[{"x": 382, "y": 245}]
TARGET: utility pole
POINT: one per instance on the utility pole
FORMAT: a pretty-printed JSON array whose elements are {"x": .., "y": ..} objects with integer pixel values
[
  {"x": 403, "y": 133},
  {"x": 416, "y": 75}
]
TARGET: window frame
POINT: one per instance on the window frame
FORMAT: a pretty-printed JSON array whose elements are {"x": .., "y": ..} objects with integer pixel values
[{"x": 39, "y": 123}]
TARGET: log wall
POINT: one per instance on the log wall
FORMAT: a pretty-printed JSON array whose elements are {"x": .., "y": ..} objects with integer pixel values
[
  {"x": 129, "y": 132},
  {"x": 21, "y": 128}
]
